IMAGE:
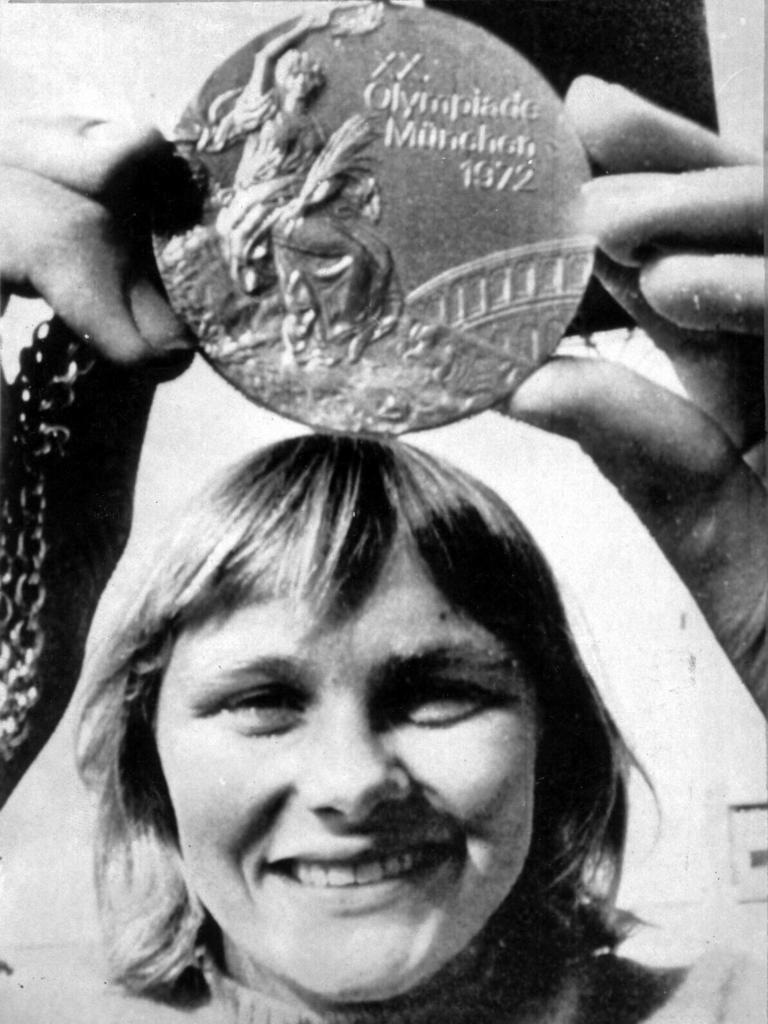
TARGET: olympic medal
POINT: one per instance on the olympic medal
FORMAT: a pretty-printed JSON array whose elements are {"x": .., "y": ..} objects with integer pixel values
[{"x": 389, "y": 232}]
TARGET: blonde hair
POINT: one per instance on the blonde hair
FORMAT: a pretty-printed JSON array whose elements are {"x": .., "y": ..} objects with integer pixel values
[{"x": 316, "y": 517}]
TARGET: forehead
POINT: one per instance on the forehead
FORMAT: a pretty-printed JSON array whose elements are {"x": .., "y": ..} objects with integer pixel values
[{"x": 405, "y": 614}]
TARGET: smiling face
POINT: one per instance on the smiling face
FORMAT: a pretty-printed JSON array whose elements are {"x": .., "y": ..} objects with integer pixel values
[{"x": 353, "y": 800}]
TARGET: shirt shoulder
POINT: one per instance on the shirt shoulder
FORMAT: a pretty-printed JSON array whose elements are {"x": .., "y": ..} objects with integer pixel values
[{"x": 719, "y": 988}]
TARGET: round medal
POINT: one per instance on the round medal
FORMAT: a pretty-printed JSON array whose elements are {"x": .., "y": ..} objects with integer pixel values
[{"x": 389, "y": 230}]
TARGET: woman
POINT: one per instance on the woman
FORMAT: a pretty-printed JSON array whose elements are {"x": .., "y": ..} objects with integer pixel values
[
  {"x": 350, "y": 767},
  {"x": 676, "y": 453},
  {"x": 348, "y": 698}
]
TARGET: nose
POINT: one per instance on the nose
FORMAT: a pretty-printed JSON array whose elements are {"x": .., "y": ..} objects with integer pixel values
[{"x": 351, "y": 770}]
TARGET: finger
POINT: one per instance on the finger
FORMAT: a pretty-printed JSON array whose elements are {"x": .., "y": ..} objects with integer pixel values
[
  {"x": 119, "y": 310},
  {"x": 707, "y": 292},
  {"x": 67, "y": 249},
  {"x": 721, "y": 378},
  {"x": 106, "y": 319},
  {"x": 630, "y": 426},
  {"x": 719, "y": 210},
  {"x": 109, "y": 327},
  {"x": 623, "y": 132},
  {"x": 703, "y": 506},
  {"x": 81, "y": 154},
  {"x": 160, "y": 328}
]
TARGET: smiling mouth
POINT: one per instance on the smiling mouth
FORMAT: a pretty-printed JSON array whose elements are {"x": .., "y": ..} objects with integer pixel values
[{"x": 365, "y": 870}]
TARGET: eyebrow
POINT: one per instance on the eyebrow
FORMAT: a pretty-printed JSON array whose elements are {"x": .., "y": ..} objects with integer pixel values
[
  {"x": 491, "y": 666},
  {"x": 484, "y": 666},
  {"x": 290, "y": 671}
]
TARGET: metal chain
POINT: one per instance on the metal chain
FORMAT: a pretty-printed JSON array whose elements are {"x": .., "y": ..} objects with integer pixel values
[{"x": 45, "y": 387}]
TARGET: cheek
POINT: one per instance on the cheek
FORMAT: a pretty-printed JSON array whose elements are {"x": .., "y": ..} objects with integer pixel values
[
  {"x": 215, "y": 793},
  {"x": 481, "y": 772}
]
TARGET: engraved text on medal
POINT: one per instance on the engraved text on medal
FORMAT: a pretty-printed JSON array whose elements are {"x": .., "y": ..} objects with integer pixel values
[{"x": 491, "y": 137}]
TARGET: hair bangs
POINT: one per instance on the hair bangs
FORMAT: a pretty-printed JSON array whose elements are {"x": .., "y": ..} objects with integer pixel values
[
  {"x": 309, "y": 519},
  {"x": 315, "y": 519}
]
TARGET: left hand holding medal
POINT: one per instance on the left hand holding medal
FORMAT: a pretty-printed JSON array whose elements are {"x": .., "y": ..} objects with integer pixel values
[{"x": 679, "y": 226}]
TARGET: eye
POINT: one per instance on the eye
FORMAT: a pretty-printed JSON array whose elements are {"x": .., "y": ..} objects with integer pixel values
[
  {"x": 268, "y": 710},
  {"x": 439, "y": 704},
  {"x": 443, "y": 711}
]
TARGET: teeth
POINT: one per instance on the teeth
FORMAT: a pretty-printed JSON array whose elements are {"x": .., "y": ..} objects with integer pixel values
[
  {"x": 338, "y": 876},
  {"x": 362, "y": 873},
  {"x": 391, "y": 866},
  {"x": 315, "y": 875},
  {"x": 372, "y": 871}
]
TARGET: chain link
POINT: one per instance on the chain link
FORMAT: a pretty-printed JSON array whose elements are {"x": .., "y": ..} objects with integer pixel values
[{"x": 45, "y": 388}]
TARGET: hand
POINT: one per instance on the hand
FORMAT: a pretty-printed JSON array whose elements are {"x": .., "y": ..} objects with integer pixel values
[
  {"x": 682, "y": 245},
  {"x": 77, "y": 197},
  {"x": 678, "y": 222}
]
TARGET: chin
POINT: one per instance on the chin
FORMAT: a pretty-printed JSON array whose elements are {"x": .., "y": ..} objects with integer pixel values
[
  {"x": 345, "y": 984},
  {"x": 348, "y": 977}
]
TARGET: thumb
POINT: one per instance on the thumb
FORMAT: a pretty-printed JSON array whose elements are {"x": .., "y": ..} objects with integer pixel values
[{"x": 633, "y": 429}]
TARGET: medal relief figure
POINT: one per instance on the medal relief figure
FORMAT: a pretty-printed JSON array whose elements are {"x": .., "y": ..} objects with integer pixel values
[{"x": 299, "y": 219}]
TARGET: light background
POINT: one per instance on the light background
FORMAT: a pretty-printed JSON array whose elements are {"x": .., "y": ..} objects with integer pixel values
[{"x": 671, "y": 689}]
